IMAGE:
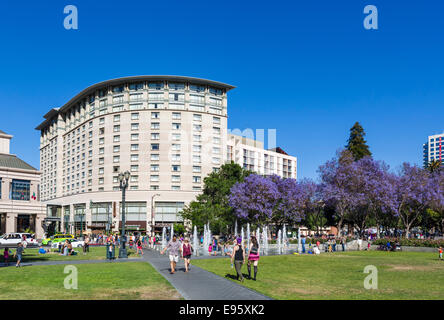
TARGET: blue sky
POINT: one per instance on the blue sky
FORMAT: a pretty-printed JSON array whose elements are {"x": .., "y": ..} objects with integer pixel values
[{"x": 306, "y": 68}]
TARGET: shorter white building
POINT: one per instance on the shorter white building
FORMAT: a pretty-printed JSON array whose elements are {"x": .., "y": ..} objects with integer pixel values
[
  {"x": 251, "y": 155},
  {"x": 20, "y": 206},
  {"x": 433, "y": 149}
]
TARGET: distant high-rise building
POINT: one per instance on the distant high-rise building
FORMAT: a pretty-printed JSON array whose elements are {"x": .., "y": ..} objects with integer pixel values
[{"x": 433, "y": 149}]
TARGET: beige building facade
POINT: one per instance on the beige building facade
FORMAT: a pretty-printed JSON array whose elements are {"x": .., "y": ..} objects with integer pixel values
[
  {"x": 169, "y": 132},
  {"x": 20, "y": 206}
]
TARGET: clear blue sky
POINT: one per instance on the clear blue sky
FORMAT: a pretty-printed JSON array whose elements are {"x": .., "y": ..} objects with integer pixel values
[{"x": 306, "y": 68}]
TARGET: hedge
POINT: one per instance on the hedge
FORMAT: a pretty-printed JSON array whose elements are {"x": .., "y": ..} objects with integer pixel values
[{"x": 411, "y": 242}]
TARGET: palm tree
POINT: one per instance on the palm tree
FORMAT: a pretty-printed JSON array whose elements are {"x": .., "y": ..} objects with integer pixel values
[{"x": 434, "y": 166}]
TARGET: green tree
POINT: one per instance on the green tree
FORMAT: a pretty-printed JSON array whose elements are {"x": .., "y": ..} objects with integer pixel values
[
  {"x": 356, "y": 142},
  {"x": 212, "y": 204},
  {"x": 434, "y": 166}
]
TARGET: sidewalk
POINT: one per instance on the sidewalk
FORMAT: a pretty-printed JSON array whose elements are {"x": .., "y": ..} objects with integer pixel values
[{"x": 199, "y": 284}]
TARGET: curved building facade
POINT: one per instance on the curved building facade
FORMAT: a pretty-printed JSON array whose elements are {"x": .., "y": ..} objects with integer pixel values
[{"x": 168, "y": 131}]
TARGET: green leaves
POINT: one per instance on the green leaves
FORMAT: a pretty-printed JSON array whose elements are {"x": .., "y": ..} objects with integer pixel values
[{"x": 356, "y": 142}]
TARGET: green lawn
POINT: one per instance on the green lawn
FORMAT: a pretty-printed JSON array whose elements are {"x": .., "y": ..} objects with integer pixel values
[
  {"x": 104, "y": 281},
  {"x": 401, "y": 275},
  {"x": 95, "y": 253}
]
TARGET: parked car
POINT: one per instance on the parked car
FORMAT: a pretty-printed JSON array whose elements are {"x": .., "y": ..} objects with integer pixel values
[
  {"x": 76, "y": 243},
  {"x": 57, "y": 238},
  {"x": 16, "y": 238}
]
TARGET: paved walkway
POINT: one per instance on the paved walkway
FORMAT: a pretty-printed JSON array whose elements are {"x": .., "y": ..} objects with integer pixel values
[{"x": 199, "y": 284}]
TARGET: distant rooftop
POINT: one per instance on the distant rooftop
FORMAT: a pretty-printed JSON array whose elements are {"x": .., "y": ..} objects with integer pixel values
[{"x": 11, "y": 161}]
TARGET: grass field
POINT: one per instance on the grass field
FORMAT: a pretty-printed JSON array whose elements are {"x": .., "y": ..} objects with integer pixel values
[
  {"x": 105, "y": 281},
  {"x": 95, "y": 253},
  {"x": 401, "y": 275}
]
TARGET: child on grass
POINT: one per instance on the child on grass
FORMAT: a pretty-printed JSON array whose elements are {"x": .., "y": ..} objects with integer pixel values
[{"x": 440, "y": 253}]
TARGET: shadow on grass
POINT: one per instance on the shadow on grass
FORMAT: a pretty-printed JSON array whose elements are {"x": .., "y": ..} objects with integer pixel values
[{"x": 234, "y": 277}]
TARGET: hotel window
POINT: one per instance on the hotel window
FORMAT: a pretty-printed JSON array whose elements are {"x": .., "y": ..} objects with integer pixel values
[
  {"x": 155, "y": 105},
  {"x": 197, "y": 99},
  {"x": 176, "y": 86},
  {"x": 102, "y": 93},
  {"x": 197, "y": 148},
  {"x": 154, "y": 157},
  {"x": 175, "y": 147},
  {"x": 90, "y": 125},
  {"x": 176, "y": 116},
  {"x": 196, "y": 179},
  {"x": 215, "y": 102},
  {"x": 134, "y": 137},
  {"x": 134, "y": 188},
  {"x": 20, "y": 190},
  {"x": 175, "y": 188},
  {"x": 135, "y": 116},
  {"x": 175, "y": 178},
  {"x": 116, "y": 138},
  {"x": 116, "y": 128},
  {"x": 176, "y": 126},
  {"x": 197, "y": 127},
  {"x": 216, "y": 160},
  {"x": 117, "y": 108},
  {"x": 216, "y": 120},
  {"x": 154, "y": 115},
  {"x": 116, "y": 159},
  {"x": 102, "y": 131},
  {"x": 118, "y": 99},
  {"x": 217, "y": 92},
  {"x": 155, "y": 136},
  {"x": 101, "y": 150},
  {"x": 197, "y": 188},
  {"x": 134, "y": 157},
  {"x": 176, "y": 136},
  {"x": 90, "y": 153},
  {"x": 197, "y": 169},
  {"x": 116, "y": 149},
  {"x": 154, "y": 187},
  {"x": 197, "y": 138},
  {"x": 90, "y": 163},
  {"x": 117, "y": 118},
  {"x": 136, "y": 106},
  {"x": 134, "y": 126},
  {"x": 155, "y": 125},
  {"x": 116, "y": 179},
  {"x": 134, "y": 168},
  {"x": 136, "y": 86},
  {"x": 216, "y": 131},
  {"x": 154, "y": 178},
  {"x": 196, "y": 88},
  {"x": 90, "y": 172},
  {"x": 176, "y": 97},
  {"x": 175, "y": 168},
  {"x": 134, "y": 147},
  {"x": 101, "y": 140},
  {"x": 197, "y": 108},
  {"x": 101, "y": 180},
  {"x": 89, "y": 183},
  {"x": 134, "y": 179},
  {"x": 118, "y": 89},
  {"x": 101, "y": 160},
  {"x": 101, "y": 121},
  {"x": 154, "y": 146},
  {"x": 155, "y": 85},
  {"x": 155, "y": 96},
  {"x": 155, "y": 167},
  {"x": 216, "y": 140},
  {"x": 196, "y": 159},
  {"x": 101, "y": 171},
  {"x": 197, "y": 117},
  {"x": 175, "y": 157},
  {"x": 216, "y": 150}
]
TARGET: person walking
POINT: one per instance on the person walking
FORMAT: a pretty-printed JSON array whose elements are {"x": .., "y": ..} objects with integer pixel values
[
  {"x": 253, "y": 256},
  {"x": 18, "y": 254},
  {"x": 215, "y": 247},
  {"x": 186, "y": 253},
  {"x": 173, "y": 247},
  {"x": 343, "y": 243},
  {"x": 6, "y": 256},
  {"x": 239, "y": 258},
  {"x": 139, "y": 246}
]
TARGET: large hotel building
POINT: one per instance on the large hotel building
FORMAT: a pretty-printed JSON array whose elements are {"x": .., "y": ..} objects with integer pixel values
[
  {"x": 168, "y": 131},
  {"x": 433, "y": 149}
]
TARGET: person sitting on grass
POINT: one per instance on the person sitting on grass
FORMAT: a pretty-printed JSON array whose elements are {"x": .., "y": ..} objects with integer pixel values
[{"x": 41, "y": 250}]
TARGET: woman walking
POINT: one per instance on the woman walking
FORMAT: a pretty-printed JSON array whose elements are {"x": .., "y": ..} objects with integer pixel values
[
  {"x": 253, "y": 257},
  {"x": 186, "y": 253},
  {"x": 239, "y": 258},
  {"x": 139, "y": 246}
]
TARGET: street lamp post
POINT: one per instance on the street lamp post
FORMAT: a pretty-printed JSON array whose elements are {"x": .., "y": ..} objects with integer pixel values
[
  {"x": 124, "y": 179},
  {"x": 152, "y": 213}
]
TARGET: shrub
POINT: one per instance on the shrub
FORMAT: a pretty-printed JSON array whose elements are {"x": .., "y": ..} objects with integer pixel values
[{"x": 411, "y": 242}]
